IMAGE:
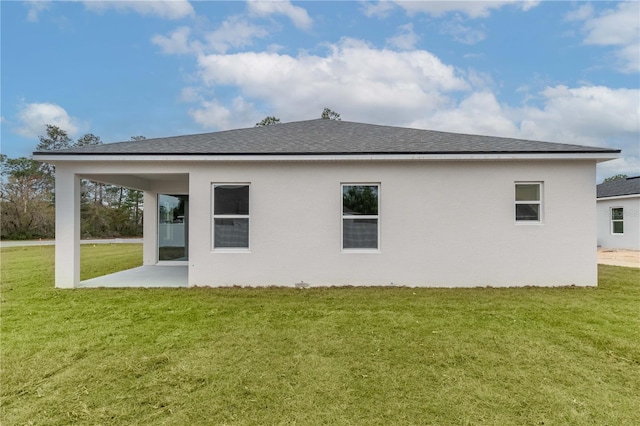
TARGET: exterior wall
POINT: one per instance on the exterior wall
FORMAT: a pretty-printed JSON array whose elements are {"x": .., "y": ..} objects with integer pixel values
[
  {"x": 630, "y": 239},
  {"x": 441, "y": 224}
]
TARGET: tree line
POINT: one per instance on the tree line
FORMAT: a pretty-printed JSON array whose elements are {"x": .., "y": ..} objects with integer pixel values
[{"x": 27, "y": 196}]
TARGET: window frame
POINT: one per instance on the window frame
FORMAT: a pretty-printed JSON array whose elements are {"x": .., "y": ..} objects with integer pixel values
[
  {"x": 344, "y": 217},
  {"x": 538, "y": 202},
  {"x": 614, "y": 221},
  {"x": 215, "y": 216}
]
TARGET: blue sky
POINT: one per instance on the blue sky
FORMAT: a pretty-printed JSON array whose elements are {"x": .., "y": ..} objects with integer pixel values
[{"x": 557, "y": 71}]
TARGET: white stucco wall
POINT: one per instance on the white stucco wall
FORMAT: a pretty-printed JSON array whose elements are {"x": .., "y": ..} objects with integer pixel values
[
  {"x": 441, "y": 224},
  {"x": 630, "y": 239}
]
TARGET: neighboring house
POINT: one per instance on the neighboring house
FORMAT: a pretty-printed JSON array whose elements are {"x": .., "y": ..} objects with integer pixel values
[
  {"x": 329, "y": 202},
  {"x": 619, "y": 213}
]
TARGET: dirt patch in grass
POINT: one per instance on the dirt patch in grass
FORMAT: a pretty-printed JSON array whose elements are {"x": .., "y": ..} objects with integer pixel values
[{"x": 619, "y": 257}]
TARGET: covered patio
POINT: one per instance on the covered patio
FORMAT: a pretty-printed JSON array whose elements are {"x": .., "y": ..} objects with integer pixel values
[
  {"x": 160, "y": 228},
  {"x": 157, "y": 276}
]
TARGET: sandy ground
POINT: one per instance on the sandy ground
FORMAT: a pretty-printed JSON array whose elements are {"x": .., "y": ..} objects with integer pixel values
[{"x": 629, "y": 258}]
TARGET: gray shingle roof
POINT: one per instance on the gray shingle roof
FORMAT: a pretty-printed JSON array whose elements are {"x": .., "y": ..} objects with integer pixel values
[
  {"x": 618, "y": 187},
  {"x": 320, "y": 136}
]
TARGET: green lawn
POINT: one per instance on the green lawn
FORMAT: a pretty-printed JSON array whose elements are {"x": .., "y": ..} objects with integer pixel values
[{"x": 334, "y": 356}]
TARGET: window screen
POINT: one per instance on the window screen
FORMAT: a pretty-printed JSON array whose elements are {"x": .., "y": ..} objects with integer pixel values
[
  {"x": 360, "y": 220},
  {"x": 230, "y": 216}
]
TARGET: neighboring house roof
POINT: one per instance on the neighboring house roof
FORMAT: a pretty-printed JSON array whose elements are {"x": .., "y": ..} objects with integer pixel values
[
  {"x": 327, "y": 137},
  {"x": 619, "y": 187}
]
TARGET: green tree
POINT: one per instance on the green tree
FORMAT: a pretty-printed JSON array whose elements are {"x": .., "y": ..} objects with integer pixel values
[
  {"x": 618, "y": 176},
  {"x": 268, "y": 121},
  {"x": 26, "y": 210},
  {"x": 88, "y": 139},
  {"x": 328, "y": 114},
  {"x": 55, "y": 138}
]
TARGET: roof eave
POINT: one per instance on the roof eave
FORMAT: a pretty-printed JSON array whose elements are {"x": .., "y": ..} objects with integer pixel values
[
  {"x": 598, "y": 156},
  {"x": 618, "y": 197}
]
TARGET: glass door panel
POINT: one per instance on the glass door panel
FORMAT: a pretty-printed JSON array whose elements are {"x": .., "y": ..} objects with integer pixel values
[{"x": 173, "y": 227}]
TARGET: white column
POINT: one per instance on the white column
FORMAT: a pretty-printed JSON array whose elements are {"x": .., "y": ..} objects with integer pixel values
[
  {"x": 67, "y": 228},
  {"x": 150, "y": 229}
]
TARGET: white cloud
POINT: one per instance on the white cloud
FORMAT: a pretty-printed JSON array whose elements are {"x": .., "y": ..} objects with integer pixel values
[
  {"x": 369, "y": 84},
  {"x": 296, "y": 14},
  {"x": 462, "y": 33},
  {"x": 479, "y": 113},
  {"x": 467, "y": 9},
  {"x": 406, "y": 39},
  {"x": 585, "y": 11},
  {"x": 587, "y": 114},
  {"x": 35, "y": 7},
  {"x": 166, "y": 9},
  {"x": 619, "y": 27},
  {"x": 381, "y": 9},
  {"x": 177, "y": 43},
  {"x": 472, "y": 9},
  {"x": 212, "y": 114},
  {"x": 34, "y": 117},
  {"x": 235, "y": 32},
  {"x": 189, "y": 94}
]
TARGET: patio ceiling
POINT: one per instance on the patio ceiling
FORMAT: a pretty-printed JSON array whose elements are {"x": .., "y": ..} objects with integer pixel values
[{"x": 140, "y": 181}]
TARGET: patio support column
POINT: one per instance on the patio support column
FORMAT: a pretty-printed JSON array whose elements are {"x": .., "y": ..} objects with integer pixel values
[
  {"x": 67, "y": 228},
  {"x": 150, "y": 229}
]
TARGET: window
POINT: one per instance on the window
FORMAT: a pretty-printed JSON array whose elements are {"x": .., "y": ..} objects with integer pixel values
[
  {"x": 230, "y": 216},
  {"x": 528, "y": 202},
  {"x": 360, "y": 221},
  {"x": 617, "y": 220}
]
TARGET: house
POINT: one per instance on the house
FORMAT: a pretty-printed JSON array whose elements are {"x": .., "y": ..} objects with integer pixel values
[
  {"x": 325, "y": 202},
  {"x": 618, "y": 212}
]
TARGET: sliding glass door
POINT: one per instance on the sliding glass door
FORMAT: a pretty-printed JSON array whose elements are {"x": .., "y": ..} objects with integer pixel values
[{"x": 173, "y": 227}]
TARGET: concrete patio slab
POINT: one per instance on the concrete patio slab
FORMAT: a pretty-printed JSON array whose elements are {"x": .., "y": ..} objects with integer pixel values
[{"x": 143, "y": 276}]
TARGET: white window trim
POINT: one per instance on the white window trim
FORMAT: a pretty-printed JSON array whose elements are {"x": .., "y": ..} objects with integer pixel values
[
  {"x": 612, "y": 220},
  {"x": 229, "y": 216},
  {"x": 359, "y": 216},
  {"x": 539, "y": 203}
]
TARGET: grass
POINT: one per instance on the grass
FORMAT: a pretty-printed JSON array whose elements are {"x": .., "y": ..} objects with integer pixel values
[{"x": 333, "y": 356}]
